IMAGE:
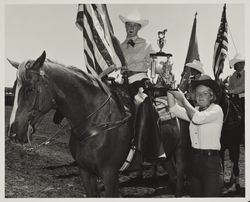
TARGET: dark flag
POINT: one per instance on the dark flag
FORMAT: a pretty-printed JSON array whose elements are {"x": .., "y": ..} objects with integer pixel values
[
  {"x": 102, "y": 50},
  {"x": 221, "y": 46},
  {"x": 192, "y": 54}
]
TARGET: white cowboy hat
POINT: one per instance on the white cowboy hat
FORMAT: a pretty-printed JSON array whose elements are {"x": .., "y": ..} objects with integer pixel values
[
  {"x": 134, "y": 17},
  {"x": 237, "y": 58},
  {"x": 197, "y": 65}
]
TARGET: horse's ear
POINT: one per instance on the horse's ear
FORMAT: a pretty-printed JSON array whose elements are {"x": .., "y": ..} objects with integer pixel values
[
  {"x": 39, "y": 61},
  {"x": 13, "y": 63}
]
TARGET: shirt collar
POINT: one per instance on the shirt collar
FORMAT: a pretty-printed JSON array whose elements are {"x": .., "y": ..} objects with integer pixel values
[{"x": 133, "y": 38}]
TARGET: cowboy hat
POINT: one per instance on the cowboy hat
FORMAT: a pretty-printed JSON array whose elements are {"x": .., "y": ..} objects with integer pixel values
[
  {"x": 237, "y": 58},
  {"x": 206, "y": 80},
  {"x": 197, "y": 65},
  {"x": 134, "y": 17}
]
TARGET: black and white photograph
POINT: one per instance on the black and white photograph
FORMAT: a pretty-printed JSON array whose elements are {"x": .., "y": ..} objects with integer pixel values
[{"x": 124, "y": 99}]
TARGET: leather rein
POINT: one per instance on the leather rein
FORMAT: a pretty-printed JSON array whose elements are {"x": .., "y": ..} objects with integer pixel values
[{"x": 35, "y": 110}]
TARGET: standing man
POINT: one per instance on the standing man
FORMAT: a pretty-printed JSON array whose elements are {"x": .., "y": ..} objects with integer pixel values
[{"x": 136, "y": 51}]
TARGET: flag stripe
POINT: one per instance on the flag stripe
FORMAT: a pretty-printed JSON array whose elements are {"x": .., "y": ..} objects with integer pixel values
[
  {"x": 221, "y": 46},
  {"x": 97, "y": 39},
  {"x": 101, "y": 64},
  {"x": 91, "y": 51},
  {"x": 101, "y": 48}
]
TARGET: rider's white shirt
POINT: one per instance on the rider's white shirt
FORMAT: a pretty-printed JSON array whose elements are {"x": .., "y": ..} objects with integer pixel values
[
  {"x": 137, "y": 57},
  {"x": 205, "y": 127}
]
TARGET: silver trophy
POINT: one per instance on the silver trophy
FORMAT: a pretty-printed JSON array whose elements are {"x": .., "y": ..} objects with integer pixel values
[{"x": 161, "y": 64}]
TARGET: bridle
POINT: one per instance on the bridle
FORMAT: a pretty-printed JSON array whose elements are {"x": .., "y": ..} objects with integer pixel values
[{"x": 36, "y": 109}]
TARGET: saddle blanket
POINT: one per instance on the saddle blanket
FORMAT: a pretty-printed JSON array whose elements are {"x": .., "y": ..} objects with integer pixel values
[{"x": 161, "y": 105}]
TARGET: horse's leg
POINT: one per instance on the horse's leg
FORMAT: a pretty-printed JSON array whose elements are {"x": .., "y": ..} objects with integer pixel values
[
  {"x": 234, "y": 156},
  {"x": 90, "y": 183},
  {"x": 169, "y": 166},
  {"x": 111, "y": 182},
  {"x": 222, "y": 156},
  {"x": 180, "y": 170}
]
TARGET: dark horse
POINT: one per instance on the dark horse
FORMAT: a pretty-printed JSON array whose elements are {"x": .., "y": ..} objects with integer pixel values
[
  {"x": 232, "y": 131},
  {"x": 173, "y": 133},
  {"x": 101, "y": 128}
]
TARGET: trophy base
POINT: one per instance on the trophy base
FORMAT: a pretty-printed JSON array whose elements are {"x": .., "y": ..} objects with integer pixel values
[{"x": 161, "y": 54}]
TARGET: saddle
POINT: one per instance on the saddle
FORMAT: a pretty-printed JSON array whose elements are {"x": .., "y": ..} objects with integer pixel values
[{"x": 144, "y": 146}]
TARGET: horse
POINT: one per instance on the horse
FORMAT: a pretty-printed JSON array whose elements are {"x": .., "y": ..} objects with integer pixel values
[
  {"x": 101, "y": 127},
  {"x": 173, "y": 134},
  {"x": 101, "y": 130},
  {"x": 232, "y": 132}
]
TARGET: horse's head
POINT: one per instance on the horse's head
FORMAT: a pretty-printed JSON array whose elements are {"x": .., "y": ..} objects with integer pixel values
[{"x": 32, "y": 99}]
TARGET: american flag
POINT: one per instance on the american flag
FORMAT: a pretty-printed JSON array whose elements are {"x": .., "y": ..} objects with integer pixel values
[
  {"x": 221, "y": 46},
  {"x": 102, "y": 50}
]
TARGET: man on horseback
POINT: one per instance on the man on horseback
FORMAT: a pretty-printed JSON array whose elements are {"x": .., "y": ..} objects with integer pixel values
[
  {"x": 196, "y": 70},
  {"x": 136, "y": 51},
  {"x": 236, "y": 85}
]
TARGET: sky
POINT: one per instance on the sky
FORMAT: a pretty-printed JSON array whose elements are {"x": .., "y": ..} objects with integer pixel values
[{"x": 31, "y": 28}]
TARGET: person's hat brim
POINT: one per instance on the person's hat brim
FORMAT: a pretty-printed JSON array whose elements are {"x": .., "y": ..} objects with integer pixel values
[
  {"x": 196, "y": 67},
  {"x": 234, "y": 61},
  {"x": 142, "y": 22},
  {"x": 209, "y": 83}
]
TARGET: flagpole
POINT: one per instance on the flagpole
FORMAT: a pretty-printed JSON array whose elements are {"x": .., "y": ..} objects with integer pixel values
[{"x": 232, "y": 38}]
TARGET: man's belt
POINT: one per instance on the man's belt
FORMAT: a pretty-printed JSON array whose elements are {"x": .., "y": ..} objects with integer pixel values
[
  {"x": 240, "y": 95},
  {"x": 131, "y": 73}
]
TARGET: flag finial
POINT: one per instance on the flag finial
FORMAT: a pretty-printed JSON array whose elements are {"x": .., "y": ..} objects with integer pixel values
[{"x": 195, "y": 14}]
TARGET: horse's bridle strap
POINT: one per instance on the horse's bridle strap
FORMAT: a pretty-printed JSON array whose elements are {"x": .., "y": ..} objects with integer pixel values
[{"x": 105, "y": 127}]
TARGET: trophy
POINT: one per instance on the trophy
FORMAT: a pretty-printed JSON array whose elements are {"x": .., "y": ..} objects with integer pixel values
[{"x": 161, "y": 66}]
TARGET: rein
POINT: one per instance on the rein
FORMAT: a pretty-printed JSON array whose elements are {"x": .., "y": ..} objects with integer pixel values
[
  {"x": 47, "y": 141},
  {"x": 35, "y": 109}
]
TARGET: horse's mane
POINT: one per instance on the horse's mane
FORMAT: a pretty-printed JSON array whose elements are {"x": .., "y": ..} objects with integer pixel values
[
  {"x": 82, "y": 75},
  {"x": 67, "y": 70},
  {"x": 74, "y": 70}
]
